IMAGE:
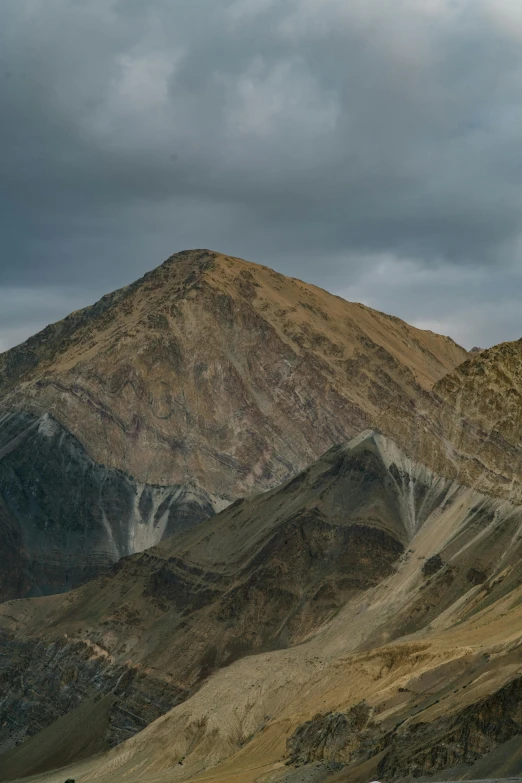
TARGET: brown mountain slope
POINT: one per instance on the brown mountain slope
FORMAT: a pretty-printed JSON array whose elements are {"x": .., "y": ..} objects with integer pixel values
[
  {"x": 490, "y": 386},
  {"x": 217, "y": 371},
  {"x": 468, "y": 426},
  {"x": 381, "y": 580}
]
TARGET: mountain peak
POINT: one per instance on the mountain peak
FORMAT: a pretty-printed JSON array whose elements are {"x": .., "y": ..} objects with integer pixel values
[
  {"x": 214, "y": 369},
  {"x": 388, "y": 451}
]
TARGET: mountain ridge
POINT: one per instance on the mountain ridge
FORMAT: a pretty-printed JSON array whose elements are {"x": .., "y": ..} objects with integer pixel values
[
  {"x": 282, "y": 594},
  {"x": 194, "y": 274}
]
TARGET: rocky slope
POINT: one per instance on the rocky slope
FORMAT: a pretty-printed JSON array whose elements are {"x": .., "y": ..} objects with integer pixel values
[
  {"x": 489, "y": 389},
  {"x": 468, "y": 426},
  {"x": 366, "y": 578},
  {"x": 65, "y": 519},
  {"x": 222, "y": 372}
]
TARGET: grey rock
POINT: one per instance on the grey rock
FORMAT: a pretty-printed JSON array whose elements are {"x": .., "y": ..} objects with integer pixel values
[{"x": 65, "y": 519}]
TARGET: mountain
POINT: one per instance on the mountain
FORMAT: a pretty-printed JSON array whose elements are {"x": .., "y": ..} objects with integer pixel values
[
  {"x": 362, "y": 617},
  {"x": 209, "y": 379},
  {"x": 356, "y": 616},
  {"x": 219, "y": 371}
]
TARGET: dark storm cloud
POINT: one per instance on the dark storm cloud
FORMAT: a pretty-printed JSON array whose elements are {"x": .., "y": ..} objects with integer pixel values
[{"x": 372, "y": 147}]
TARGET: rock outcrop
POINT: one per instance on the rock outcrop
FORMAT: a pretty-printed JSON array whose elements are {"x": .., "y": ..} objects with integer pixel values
[
  {"x": 468, "y": 426},
  {"x": 65, "y": 519}
]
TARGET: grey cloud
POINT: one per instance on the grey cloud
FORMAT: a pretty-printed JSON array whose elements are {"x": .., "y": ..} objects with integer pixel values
[
  {"x": 316, "y": 136},
  {"x": 474, "y": 305}
]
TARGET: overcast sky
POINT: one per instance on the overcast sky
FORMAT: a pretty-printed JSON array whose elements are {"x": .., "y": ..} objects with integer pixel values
[{"x": 373, "y": 147}]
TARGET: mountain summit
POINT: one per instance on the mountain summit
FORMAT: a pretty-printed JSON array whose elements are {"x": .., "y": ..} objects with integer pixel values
[{"x": 219, "y": 371}]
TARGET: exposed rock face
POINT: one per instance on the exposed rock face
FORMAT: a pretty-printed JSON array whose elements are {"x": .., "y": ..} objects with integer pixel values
[
  {"x": 69, "y": 677},
  {"x": 409, "y": 747},
  {"x": 330, "y": 563},
  {"x": 336, "y": 736},
  {"x": 455, "y": 739},
  {"x": 488, "y": 389},
  {"x": 468, "y": 426},
  {"x": 66, "y": 519},
  {"x": 214, "y": 370}
]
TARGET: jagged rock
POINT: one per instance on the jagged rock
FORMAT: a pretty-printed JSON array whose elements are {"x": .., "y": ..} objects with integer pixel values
[
  {"x": 432, "y": 565},
  {"x": 335, "y": 737},
  {"x": 48, "y": 680},
  {"x": 463, "y": 738},
  {"x": 468, "y": 426}
]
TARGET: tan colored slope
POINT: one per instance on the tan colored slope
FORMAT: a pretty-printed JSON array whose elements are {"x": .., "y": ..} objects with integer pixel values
[
  {"x": 443, "y": 695},
  {"x": 412, "y": 643},
  {"x": 215, "y": 370},
  {"x": 469, "y": 426}
]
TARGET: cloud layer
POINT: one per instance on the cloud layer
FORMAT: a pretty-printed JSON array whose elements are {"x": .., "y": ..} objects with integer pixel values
[{"x": 371, "y": 147}]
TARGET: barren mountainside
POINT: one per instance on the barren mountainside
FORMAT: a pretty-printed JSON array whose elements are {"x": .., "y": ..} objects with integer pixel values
[
  {"x": 365, "y": 617},
  {"x": 221, "y": 372},
  {"x": 65, "y": 519},
  {"x": 468, "y": 426},
  {"x": 490, "y": 386}
]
